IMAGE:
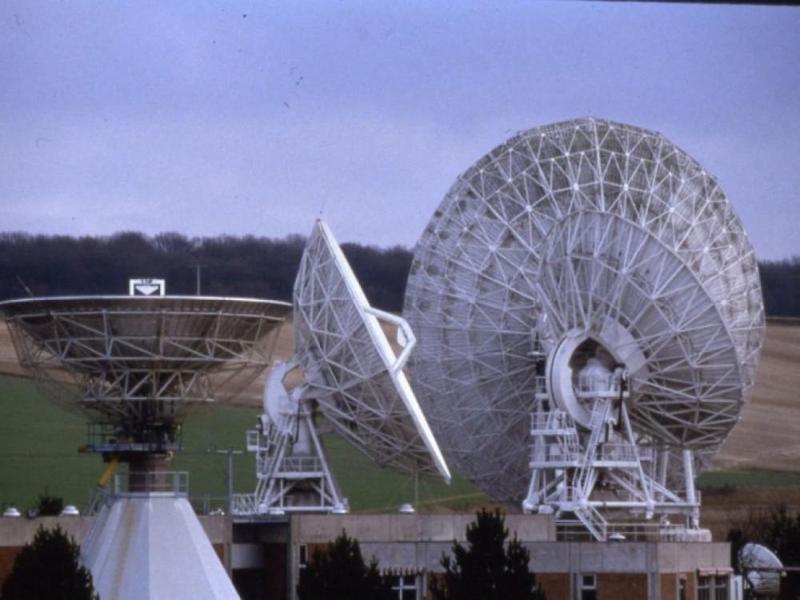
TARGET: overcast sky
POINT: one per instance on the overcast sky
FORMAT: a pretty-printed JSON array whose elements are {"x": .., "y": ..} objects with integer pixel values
[{"x": 250, "y": 118}]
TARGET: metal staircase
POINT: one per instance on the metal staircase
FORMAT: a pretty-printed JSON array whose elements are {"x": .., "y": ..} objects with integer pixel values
[{"x": 598, "y": 471}]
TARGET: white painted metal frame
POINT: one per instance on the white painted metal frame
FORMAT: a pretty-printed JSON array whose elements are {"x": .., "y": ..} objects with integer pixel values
[
  {"x": 353, "y": 379},
  {"x": 596, "y": 226},
  {"x": 604, "y": 475},
  {"x": 291, "y": 467},
  {"x": 350, "y": 368},
  {"x": 137, "y": 358}
]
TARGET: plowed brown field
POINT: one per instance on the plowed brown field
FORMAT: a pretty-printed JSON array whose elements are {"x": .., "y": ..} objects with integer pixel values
[{"x": 768, "y": 435}]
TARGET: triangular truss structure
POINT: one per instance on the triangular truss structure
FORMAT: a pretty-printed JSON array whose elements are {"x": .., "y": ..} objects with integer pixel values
[
  {"x": 291, "y": 468},
  {"x": 351, "y": 378},
  {"x": 602, "y": 474},
  {"x": 599, "y": 232}
]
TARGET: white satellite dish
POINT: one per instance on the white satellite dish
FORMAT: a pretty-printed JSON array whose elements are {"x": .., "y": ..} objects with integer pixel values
[
  {"x": 356, "y": 382},
  {"x": 137, "y": 366},
  {"x": 589, "y": 317},
  {"x": 762, "y": 569}
]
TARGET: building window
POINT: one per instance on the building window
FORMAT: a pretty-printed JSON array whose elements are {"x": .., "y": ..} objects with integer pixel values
[
  {"x": 682, "y": 588},
  {"x": 302, "y": 559},
  {"x": 588, "y": 587},
  {"x": 404, "y": 587},
  {"x": 703, "y": 587},
  {"x": 712, "y": 587},
  {"x": 721, "y": 587}
]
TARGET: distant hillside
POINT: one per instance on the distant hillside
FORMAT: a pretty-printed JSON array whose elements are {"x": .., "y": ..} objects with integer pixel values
[{"x": 241, "y": 266}]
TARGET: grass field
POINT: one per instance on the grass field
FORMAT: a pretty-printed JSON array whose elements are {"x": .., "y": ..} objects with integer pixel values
[
  {"x": 759, "y": 464},
  {"x": 39, "y": 442},
  {"x": 766, "y": 438}
]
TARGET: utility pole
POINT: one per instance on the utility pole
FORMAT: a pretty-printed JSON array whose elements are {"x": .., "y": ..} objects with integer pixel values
[
  {"x": 197, "y": 268},
  {"x": 229, "y": 452}
]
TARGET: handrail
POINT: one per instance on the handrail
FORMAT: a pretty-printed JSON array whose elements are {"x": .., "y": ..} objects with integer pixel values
[{"x": 135, "y": 483}]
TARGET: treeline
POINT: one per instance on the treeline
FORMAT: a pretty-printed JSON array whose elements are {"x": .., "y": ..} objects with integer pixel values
[
  {"x": 780, "y": 283},
  {"x": 229, "y": 266},
  {"x": 239, "y": 266}
]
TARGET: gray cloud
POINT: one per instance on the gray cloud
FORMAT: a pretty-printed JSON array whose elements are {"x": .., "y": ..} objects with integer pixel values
[{"x": 193, "y": 117}]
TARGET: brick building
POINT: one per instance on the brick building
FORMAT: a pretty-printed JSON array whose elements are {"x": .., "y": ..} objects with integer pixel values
[{"x": 264, "y": 557}]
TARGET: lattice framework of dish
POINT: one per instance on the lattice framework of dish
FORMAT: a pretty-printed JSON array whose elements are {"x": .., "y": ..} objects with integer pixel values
[
  {"x": 135, "y": 359},
  {"x": 563, "y": 227},
  {"x": 350, "y": 368}
]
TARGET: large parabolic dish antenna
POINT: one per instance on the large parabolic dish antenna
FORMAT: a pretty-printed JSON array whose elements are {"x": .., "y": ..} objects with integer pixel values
[
  {"x": 137, "y": 366},
  {"x": 579, "y": 248},
  {"x": 142, "y": 363},
  {"x": 351, "y": 376},
  {"x": 350, "y": 367}
]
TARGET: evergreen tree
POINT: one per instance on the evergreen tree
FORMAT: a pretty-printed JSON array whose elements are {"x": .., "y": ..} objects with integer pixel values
[
  {"x": 48, "y": 505},
  {"x": 339, "y": 573},
  {"x": 487, "y": 569},
  {"x": 48, "y": 569}
]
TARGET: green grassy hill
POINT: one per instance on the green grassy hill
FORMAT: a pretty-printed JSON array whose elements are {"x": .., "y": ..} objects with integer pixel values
[
  {"x": 39, "y": 451},
  {"x": 39, "y": 444}
]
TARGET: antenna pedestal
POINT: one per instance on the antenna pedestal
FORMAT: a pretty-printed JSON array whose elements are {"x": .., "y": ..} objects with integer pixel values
[
  {"x": 607, "y": 480},
  {"x": 148, "y": 472},
  {"x": 292, "y": 471},
  {"x": 147, "y": 543},
  {"x": 349, "y": 370},
  {"x": 586, "y": 460},
  {"x": 291, "y": 468},
  {"x": 146, "y": 453}
]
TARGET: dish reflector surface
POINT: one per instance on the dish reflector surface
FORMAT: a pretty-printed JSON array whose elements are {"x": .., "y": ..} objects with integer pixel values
[
  {"x": 350, "y": 367},
  {"x": 762, "y": 569},
  {"x": 142, "y": 357},
  {"x": 585, "y": 225}
]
